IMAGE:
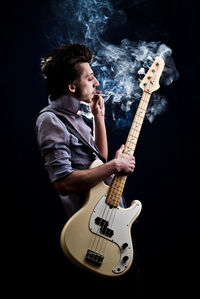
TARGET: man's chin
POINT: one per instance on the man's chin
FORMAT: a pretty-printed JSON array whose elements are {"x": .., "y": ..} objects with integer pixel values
[{"x": 87, "y": 101}]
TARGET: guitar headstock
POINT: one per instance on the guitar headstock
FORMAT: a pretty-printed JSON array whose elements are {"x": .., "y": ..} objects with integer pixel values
[{"x": 150, "y": 82}]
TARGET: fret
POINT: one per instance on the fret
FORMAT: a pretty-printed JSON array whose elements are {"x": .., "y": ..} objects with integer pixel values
[
  {"x": 136, "y": 134},
  {"x": 148, "y": 87},
  {"x": 138, "y": 131},
  {"x": 131, "y": 141},
  {"x": 117, "y": 185},
  {"x": 114, "y": 202},
  {"x": 132, "y": 144},
  {"x": 129, "y": 151},
  {"x": 146, "y": 102},
  {"x": 140, "y": 116},
  {"x": 114, "y": 194},
  {"x": 111, "y": 199},
  {"x": 143, "y": 109},
  {"x": 117, "y": 188},
  {"x": 127, "y": 147},
  {"x": 121, "y": 178},
  {"x": 137, "y": 124},
  {"x": 114, "y": 197},
  {"x": 131, "y": 135}
]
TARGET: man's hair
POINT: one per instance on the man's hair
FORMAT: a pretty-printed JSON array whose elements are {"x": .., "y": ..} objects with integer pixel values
[{"x": 61, "y": 68}]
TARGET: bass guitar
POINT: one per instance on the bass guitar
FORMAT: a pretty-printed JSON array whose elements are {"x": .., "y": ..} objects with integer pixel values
[{"x": 98, "y": 236}]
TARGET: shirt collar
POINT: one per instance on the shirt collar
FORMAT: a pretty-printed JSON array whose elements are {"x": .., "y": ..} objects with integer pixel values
[{"x": 66, "y": 104}]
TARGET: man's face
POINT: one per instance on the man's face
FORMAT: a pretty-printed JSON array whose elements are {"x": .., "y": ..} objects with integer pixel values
[{"x": 86, "y": 85}]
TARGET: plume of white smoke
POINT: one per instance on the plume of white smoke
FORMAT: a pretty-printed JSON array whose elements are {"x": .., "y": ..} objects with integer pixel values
[{"x": 117, "y": 67}]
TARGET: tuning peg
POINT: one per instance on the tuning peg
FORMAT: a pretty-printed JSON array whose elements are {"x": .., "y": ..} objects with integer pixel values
[
  {"x": 149, "y": 58},
  {"x": 141, "y": 71}
]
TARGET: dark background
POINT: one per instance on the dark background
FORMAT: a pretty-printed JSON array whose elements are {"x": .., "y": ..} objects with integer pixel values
[{"x": 165, "y": 180}]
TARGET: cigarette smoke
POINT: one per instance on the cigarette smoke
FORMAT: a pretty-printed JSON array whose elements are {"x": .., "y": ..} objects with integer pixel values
[{"x": 117, "y": 67}]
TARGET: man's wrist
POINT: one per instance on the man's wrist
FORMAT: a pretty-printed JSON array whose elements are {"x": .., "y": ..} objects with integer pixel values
[
  {"x": 114, "y": 167},
  {"x": 99, "y": 117}
]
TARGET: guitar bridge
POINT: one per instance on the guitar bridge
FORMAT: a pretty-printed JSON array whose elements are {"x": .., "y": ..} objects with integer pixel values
[{"x": 94, "y": 257}]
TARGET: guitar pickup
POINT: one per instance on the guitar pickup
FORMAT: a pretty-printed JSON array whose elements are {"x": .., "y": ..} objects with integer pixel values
[{"x": 104, "y": 230}]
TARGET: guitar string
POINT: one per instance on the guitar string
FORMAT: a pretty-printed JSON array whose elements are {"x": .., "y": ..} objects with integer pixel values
[
  {"x": 96, "y": 237},
  {"x": 107, "y": 218},
  {"x": 104, "y": 239},
  {"x": 112, "y": 216},
  {"x": 141, "y": 106},
  {"x": 110, "y": 220},
  {"x": 102, "y": 225}
]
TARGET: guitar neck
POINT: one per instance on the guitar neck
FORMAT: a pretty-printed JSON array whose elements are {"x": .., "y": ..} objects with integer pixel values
[
  {"x": 118, "y": 183},
  {"x": 136, "y": 126}
]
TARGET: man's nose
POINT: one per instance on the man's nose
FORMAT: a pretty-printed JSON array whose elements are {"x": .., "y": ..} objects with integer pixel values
[{"x": 96, "y": 82}]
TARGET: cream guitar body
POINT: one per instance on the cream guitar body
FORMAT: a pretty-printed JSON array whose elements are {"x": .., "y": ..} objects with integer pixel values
[{"x": 98, "y": 236}]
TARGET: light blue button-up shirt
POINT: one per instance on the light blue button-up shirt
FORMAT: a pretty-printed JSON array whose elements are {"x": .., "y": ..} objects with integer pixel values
[{"x": 61, "y": 151}]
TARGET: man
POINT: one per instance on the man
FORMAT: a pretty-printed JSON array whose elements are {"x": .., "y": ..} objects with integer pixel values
[{"x": 70, "y": 81}]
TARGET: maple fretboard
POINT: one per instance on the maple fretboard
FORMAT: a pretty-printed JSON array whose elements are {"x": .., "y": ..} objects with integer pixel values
[{"x": 118, "y": 183}]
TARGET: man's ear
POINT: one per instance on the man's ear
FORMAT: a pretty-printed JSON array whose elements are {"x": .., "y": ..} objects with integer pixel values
[{"x": 72, "y": 87}]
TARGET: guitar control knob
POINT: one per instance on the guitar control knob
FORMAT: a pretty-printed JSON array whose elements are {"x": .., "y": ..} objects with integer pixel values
[
  {"x": 124, "y": 245},
  {"x": 125, "y": 258}
]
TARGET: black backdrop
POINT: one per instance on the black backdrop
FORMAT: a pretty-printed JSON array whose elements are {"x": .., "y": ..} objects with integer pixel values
[{"x": 165, "y": 179}]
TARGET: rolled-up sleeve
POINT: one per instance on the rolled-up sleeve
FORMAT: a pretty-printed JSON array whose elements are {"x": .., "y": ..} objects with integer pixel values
[{"x": 53, "y": 140}]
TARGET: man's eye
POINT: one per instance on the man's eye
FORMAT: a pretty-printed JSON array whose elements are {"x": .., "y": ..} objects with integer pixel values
[{"x": 90, "y": 78}]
